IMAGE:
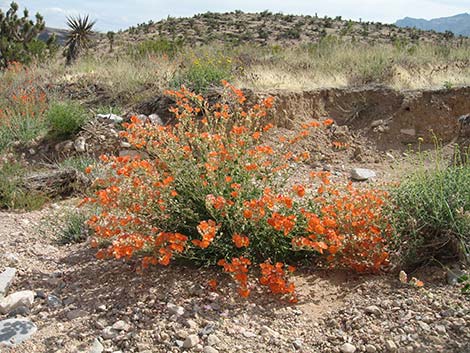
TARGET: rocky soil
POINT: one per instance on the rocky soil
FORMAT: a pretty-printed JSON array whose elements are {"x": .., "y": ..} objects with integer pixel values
[{"x": 80, "y": 304}]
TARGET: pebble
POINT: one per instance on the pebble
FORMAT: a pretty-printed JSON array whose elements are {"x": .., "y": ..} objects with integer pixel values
[
  {"x": 213, "y": 340},
  {"x": 191, "y": 341},
  {"x": 370, "y": 348},
  {"x": 347, "y": 348},
  {"x": 390, "y": 346},
  {"x": 209, "y": 349},
  {"x": 175, "y": 309},
  {"x": 76, "y": 314},
  {"x": 6, "y": 278},
  {"x": 96, "y": 347},
  {"x": 373, "y": 309}
]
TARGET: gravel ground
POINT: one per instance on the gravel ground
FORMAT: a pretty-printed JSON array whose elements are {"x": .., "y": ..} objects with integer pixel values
[{"x": 84, "y": 305}]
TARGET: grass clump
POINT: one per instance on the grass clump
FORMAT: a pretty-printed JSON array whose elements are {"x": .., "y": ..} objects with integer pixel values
[
  {"x": 72, "y": 228},
  {"x": 205, "y": 72},
  {"x": 12, "y": 195},
  {"x": 66, "y": 118},
  {"x": 432, "y": 213}
]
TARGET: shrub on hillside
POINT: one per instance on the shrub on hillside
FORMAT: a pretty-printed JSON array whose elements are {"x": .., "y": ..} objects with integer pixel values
[
  {"x": 66, "y": 118},
  {"x": 212, "y": 191},
  {"x": 22, "y": 107},
  {"x": 204, "y": 73}
]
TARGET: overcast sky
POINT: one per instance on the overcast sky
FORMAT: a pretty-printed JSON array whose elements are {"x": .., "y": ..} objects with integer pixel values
[{"x": 120, "y": 14}]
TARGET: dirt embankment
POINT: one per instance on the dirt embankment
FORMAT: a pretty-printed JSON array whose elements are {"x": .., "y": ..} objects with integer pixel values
[{"x": 392, "y": 119}]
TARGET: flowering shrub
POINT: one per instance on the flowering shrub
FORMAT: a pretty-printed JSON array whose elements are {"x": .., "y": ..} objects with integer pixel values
[
  {"x": 22, "y": 107},
  {"x": 211, "y": 190}
]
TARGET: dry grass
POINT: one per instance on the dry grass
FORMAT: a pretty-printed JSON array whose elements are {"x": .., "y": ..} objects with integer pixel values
[{"x": 125, "y": 79}]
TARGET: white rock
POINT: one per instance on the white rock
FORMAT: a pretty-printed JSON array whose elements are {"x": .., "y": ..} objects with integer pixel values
[
  {"x": 347, "y": 348},
  {"x": 15, "y": 300},
  {"x": 175, "y": 309},
  {"x": 409, "y": 132},
  {"x": 111, "y": 117},
  {"x": 121, "y": 325},
  {"x": 6, "y": 278},
  {"x": 155, "y": 119},
  {"x": 361, "y": 174},
  {"x": 191, "y": 341},
  {"x": 370, "y": 348},
  {"x": 373, "y": 309},
  {"x": 390, "y": 345},
  {"x": 109, "y": 333},
  {"x": 80, "y": 144},
  {"x": 96, "y": 347},
  {"x": 15, "y": 331},
  {"x": 209, "y": 349},
  {"x": 213, "y": 340}
]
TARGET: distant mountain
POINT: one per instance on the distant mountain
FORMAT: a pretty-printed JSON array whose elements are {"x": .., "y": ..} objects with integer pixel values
[
  {"x": 61, "y": 34},
  {"x": 458, "y": 24}
]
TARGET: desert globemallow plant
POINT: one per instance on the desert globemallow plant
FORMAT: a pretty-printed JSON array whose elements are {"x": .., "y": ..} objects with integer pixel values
[{"x": 211, "y": 190}]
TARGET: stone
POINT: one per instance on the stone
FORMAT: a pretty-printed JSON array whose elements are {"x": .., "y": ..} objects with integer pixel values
[
  {"x": 15, "y": 300},
  {"x": 376, "y": 123},
  {"x": 6, "y": 278},
  {"x": 347, "y": 348},
  {"x": 440, "y": 329},
  {"x": 191, "y": 341},
  {"x": 370, "y": 348},
  {"x": 362, "y": 174},
  {"x": 110, "y": 117},
  {"x": 298, "y": 343},
  {"x": 11, "y": 258},
  {"x": 121, "y": 325},
  {"x": 76, "y": 314},
  {"x": 155, "y": 119},
  {"x": 373, "y": 309},
  {"x": 80, "y": 144},
  {"x": 424, "y": 326},
  {"x": 213, "y": 340},
  {"x": 109, "y": 333},
  {"x": 209, "y": 349},
  {"x": 53, "y": 301},
  {"x": 19, "y": 311},
  {"x": 390, "y": 346},
  {"x": 15, "y": 331},
  {"x": 96, "y": 347},
  {"x": 408, "y": 132},
  {"x": 175, "y": 309}
]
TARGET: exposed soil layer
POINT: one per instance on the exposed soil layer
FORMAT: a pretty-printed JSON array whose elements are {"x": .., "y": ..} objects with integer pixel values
[{"x": 390, "y": 119}]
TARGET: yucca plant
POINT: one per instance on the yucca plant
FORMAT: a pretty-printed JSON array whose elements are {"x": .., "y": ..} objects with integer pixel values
[{"x": 79, "y": 36}]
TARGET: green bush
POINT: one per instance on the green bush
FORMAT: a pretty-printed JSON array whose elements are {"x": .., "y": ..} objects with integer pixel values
[
  {"x": 432, "y": 214},
  {"x": 203, "y": 73},
  {"x": 155, "y": 47},
  {"x": 66, "y": 118}
]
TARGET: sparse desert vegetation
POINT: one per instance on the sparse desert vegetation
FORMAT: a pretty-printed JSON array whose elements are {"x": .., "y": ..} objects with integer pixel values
[{"x": 234, "y": 183}]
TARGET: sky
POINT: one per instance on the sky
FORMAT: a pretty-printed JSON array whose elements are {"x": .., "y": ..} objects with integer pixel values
[{"x": 121, "y": 14}]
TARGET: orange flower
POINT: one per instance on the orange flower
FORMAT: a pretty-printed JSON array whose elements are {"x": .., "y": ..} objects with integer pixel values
[{"x": 240, "y": 241}]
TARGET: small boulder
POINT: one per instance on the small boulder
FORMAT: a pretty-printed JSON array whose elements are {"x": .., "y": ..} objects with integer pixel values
[
  {"x": 15, "y": 300},
  {"x": 362, "y": 174},
  {"x": 191, "y": 341},
  {"x": 15, "y": 331}
]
